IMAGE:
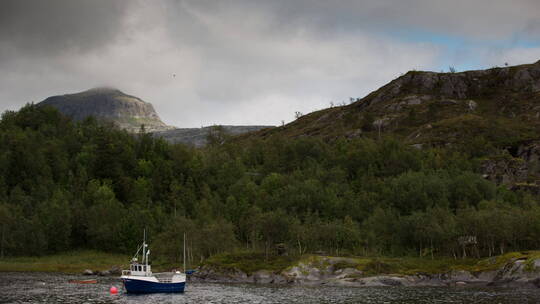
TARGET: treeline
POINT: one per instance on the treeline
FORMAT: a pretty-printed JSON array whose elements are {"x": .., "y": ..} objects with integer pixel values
[{"x": 66, "y": 185}]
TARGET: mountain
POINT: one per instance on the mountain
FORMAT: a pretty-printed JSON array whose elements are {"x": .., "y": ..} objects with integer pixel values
[
  {"x": 493, "y": 113},
  {"x": 128, "y": 112}
]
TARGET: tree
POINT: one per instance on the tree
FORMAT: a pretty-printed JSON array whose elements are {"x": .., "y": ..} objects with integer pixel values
[
  {"x": 274, "y": 228},
  {"x": 6, "y": 223},
  {"x": 55, "y": 218},
  {"x": 217, "y": 135},
  {"x": 105, "y": 216}
]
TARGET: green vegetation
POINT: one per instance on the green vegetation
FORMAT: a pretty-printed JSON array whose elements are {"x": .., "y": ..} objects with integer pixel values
[
  {"x": 249, "y": 262},
  {"x": 89, "y": 186},
  {"x": 70, "y": 262}
]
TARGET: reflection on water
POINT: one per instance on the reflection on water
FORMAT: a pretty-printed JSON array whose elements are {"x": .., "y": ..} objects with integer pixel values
[{"x": 54, "y": 288}]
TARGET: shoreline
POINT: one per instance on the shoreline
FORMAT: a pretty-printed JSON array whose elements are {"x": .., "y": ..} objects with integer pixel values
[{"x": 517, "y": 269}]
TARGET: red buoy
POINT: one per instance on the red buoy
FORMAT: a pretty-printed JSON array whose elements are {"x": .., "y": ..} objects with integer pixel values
[{"x": 114, "y": 290}]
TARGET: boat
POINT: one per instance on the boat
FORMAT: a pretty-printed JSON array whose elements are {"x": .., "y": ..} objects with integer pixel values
[
  {"x": 83, "y": 281},
  {"x": 139, "y": 278}
]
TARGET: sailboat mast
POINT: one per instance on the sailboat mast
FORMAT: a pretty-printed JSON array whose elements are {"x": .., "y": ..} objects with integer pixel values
[{"x": 145, "y": 256}]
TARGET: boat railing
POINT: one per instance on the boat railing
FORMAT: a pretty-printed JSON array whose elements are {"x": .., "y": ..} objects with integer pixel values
[
  {"x": 126, "y": 272},
  {"x": 164, "y": 277}
]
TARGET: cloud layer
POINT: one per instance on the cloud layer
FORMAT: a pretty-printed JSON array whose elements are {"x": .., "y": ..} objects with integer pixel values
[{"x": 249, "y": 62}]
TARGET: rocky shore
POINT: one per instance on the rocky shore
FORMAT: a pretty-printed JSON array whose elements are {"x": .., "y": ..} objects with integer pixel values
[
  {"x": 516, "y": 272},
  {"x": 114, "y": 271}
]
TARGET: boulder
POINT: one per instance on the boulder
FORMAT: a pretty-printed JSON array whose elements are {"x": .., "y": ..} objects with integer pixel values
[
  {"x": 472, "y": 105},
  {"x": 263, "y": 277},
  {"x": 115, "y": 270},
  {"x": 104, "y": 273},
  {"x": 347, "y": 273},
  {"x": 88, "y": 272},
  {"x": 486, "y": 276},
  {"x": 461, "y": 276}
]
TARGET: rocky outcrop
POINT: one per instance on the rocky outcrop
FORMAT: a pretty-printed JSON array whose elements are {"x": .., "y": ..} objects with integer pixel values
[
  {"x": 128, "y": 112},
  {"x": 462, "y": 85},
  {"x": 518, "y": 167}
]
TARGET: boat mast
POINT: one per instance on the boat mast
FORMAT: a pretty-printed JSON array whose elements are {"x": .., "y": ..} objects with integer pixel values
[{"x": 145, "y": 254}]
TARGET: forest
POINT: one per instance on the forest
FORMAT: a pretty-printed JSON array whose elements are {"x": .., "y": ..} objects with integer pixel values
[{"x": 68, "y": 185}]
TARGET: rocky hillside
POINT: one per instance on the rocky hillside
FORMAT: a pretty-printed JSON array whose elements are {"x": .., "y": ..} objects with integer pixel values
[
  {"x": 128, "y": 112},
  {"x": 493, "y": 113}
]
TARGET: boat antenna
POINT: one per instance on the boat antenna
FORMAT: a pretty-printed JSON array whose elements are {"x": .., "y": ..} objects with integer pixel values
[{"x": 184, "y": 252}]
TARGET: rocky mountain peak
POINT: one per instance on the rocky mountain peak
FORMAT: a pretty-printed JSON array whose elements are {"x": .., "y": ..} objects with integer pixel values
[{"x": 128, "y": 112}]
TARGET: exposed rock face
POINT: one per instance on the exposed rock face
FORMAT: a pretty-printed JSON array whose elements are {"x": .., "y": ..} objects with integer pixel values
[{"x": 128, "y": 112}]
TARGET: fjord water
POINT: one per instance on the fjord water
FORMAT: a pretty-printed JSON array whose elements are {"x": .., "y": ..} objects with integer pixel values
[{"x": 55, "y": 288}]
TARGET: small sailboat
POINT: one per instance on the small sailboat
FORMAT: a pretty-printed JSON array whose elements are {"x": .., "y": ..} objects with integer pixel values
[{"x": 140, "y": 279}]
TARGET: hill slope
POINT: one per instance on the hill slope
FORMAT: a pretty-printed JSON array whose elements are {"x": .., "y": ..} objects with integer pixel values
[
  {"x": 482, "y": 112},
  {"x": 128, "y": 112}
]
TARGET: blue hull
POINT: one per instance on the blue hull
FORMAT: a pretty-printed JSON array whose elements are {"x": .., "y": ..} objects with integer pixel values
[{"x": 139, "y": 286}]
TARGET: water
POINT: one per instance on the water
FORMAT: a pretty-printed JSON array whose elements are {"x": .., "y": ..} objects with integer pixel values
[{"x": 55, "y": 288}]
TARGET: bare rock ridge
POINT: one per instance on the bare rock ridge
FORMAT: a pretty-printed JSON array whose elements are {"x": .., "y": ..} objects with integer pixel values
[
  {"x": 128, "y": 112},
  {"x": 463, "y": 85}
]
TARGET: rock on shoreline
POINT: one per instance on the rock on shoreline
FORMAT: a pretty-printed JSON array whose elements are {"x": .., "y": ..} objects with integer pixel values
[{"x": 115, "y": 270}]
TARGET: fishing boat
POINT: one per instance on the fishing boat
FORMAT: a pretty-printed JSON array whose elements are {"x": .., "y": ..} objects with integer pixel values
[{"x": 140, "y": 278}]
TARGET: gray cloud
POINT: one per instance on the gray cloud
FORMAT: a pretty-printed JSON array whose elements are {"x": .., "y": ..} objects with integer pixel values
[
  {"x": 241, "y": 61},
  {"x": 48, "y": 27}
]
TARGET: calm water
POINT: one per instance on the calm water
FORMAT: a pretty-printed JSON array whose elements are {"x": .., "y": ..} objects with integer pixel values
[{"x": 54, "y": 288}]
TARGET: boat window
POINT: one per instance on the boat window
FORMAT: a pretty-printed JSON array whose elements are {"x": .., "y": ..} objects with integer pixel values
[
  {"x": 140, "y": 268},
  {"x": 144, "y": 268}
]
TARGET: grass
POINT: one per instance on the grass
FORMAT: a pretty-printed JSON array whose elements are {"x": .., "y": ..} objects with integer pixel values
[{"x": 69, "y": 262}]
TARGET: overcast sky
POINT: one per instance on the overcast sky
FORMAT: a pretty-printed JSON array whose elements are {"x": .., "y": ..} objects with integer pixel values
[{"x": 248, "y": 61}]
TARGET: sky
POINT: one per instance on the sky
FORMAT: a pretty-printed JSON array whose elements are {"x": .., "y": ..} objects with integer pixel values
[{"x": 250, "y": 62}]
